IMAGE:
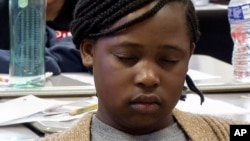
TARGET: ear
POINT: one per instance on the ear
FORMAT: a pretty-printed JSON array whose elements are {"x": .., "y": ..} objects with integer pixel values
[
  {"x": 192, "y": 48},
  {"x": 86, "y": 50}
]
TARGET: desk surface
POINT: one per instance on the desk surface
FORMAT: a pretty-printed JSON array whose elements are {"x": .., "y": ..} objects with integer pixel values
[
  {"x": 17, "y": 133},
  {"x": 65, "y": 84},
  {"x": 238, "y": 99},
  {"x": 225, "y": 81},
  {"x": 211, "y": 7}
]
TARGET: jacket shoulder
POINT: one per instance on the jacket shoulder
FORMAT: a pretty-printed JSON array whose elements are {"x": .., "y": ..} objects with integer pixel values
[
  {"x": 204, "y": 127},
  {"x": 80, "y": 131}
]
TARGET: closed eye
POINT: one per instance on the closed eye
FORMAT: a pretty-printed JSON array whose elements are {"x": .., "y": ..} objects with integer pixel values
[
  {"x": 171, "y": 61},
  {"x": 128, "y": 59},
  {"x": 125, "y": 57}
]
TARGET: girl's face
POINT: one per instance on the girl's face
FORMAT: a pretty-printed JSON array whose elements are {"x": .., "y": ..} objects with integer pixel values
[{"x": 140, "y": 72}]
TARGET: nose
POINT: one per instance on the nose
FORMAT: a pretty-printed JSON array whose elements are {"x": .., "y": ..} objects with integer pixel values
[{"x": 147, "y": 77}]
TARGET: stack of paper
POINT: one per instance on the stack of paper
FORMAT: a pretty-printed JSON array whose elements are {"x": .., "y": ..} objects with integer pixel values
[{"x": 30, "y": 108}]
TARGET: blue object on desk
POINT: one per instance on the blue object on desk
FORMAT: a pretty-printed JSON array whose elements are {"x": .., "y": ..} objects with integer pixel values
[{"x": 27, "y": 30}]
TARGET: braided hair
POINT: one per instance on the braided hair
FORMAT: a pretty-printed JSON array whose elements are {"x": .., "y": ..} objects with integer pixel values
[{"x": 93, "y": 19}]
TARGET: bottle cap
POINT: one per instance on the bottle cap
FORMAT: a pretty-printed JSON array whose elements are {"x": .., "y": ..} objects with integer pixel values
[{"x": 23, "y": 3}]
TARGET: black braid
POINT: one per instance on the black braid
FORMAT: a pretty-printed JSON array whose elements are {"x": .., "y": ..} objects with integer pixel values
[
  {"x": 91, "y": 22},
  {"x": 105, "y": 19},
  {"x": 192, "y": 22},
  {"x": 93, "y": 19},
  {"x": 193, "y": 88},
  {"x": 146, "y": 15},
  {"x": 122, "y": 12}
]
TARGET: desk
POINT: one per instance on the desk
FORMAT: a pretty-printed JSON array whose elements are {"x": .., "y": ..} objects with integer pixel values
[
  {"x": 238, "y": 99},
  {"x": 225, "y": 82},
  {"x": 17, "y": 132},
  {"x": 64, "y": 85},
  {"x": 211, "y": 7}
]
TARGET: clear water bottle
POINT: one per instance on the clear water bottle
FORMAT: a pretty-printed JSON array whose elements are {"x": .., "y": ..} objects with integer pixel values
[
  {"x": 239, "y": 19},
  {"x": 27, "y": 43}
]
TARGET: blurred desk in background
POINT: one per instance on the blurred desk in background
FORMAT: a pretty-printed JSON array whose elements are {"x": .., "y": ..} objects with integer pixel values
[
  {"x": 241, "y": 100},
  {"x": 17, "y": 133},
  {"x": 63, "y": 85},
  {"x": 211, "y": 7},
  {"x": 224, "y": 81}
]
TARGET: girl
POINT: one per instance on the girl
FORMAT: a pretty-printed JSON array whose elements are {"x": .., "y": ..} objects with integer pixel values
[{"x": 145, "y": 46}]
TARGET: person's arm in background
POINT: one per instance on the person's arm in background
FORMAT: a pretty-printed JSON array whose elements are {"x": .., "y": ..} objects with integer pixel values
[
  {"x": 60, "y": 55},
  {"x": 60, "y": 52},
  {"x": 63, "y": 53},
  {"x": 50, "y": 64},
  {"x": 4, "y": 61}
]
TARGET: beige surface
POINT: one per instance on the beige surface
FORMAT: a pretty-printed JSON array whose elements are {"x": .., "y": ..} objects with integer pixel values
[
  {"x": 212, "y": 66},
  {"x": 16, "y": 133},
  {"x": 59, "y": 86}
]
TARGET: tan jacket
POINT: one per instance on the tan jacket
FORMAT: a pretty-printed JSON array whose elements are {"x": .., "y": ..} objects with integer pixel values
[{"x": 197, "y": 127}]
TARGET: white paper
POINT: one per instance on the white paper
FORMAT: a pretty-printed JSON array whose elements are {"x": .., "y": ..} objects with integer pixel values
[
  {"x": 82, "y": 77},
  {"x": 40, "y": 117},
  {"x": 210, "y": 106},
  {"x": 24, "y": 106},
  {"x": 37, "y": 109},
  {"x": 198, "y": 75}
]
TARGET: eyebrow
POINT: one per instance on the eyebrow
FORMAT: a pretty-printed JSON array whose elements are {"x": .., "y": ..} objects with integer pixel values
[
  {"x": 137, "y": 45},
  {"x": 129, "y": 44},
  {"x": 172, "y": 47}
]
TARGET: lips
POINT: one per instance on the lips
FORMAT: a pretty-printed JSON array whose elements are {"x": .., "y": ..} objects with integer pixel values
[{"x": 146, "y": 104}]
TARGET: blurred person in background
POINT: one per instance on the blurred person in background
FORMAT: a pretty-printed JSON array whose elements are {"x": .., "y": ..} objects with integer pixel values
[
  {"x": 59, "y": 15},
  {"x": 60, "y": 52}
]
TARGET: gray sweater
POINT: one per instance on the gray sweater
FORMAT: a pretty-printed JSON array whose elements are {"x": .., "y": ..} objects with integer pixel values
[{"x": 103, "y": 132}]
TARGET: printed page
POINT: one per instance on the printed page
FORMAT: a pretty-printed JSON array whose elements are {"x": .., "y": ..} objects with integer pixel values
[{"x": 24, "y": 106}]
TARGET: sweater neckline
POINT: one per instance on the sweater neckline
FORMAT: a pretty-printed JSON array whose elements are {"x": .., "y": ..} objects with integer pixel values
[{"x": 103, "y": 131}]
